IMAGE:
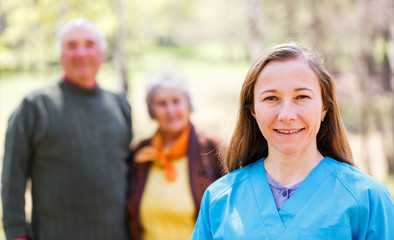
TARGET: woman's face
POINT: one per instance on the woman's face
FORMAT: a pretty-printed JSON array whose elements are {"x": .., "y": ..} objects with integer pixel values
[
  {"x": 288, "y": 106},
  {"x": 171, "y": 109}
]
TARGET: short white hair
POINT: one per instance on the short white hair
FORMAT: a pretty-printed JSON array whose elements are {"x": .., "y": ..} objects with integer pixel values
[
  {"x": 78, "y": 22},
  {"x": 166, "y": 80}
]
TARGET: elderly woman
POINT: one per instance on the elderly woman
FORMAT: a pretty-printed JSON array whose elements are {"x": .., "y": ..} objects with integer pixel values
[
  {"x": 292, "y": 173},
  {"x": 170, "y": 171}
]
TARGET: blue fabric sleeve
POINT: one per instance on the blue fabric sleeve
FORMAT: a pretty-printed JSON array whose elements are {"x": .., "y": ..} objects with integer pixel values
[
  {"x": 202, "y": 229},
  {"x": 381, "y": 216}
]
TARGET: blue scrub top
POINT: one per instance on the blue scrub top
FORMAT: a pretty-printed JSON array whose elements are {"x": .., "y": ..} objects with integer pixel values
[{"x": 335, "y": 201}]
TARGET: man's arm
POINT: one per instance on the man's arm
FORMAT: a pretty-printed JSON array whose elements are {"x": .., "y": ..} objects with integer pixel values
[
  {"x": 16, "y": 164},
  {"x": 126, "y": 110}
]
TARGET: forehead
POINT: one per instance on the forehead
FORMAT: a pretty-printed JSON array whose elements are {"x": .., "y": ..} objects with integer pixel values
[
  {"x": 79, "y": 33},
  {"x": 288, "y": 73},
  {"x": 163, "y": 93}
]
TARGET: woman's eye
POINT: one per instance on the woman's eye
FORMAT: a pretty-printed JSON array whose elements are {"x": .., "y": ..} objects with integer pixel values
[
  {"x": 302, "y": 97},
  {"x": 160, "y": 104},
  {"x": 270, "y": 98}
]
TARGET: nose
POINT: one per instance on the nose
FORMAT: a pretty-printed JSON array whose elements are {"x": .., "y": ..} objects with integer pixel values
[
  {"x": 287, "y": 112},
  {"x": 81, "y": 50},
  {"x": 170, "y": 108}
]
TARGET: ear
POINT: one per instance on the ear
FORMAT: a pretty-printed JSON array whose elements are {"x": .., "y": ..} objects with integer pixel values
[
  {"x": 252, "y": 111},
  {"x": 323, "y": 114}
]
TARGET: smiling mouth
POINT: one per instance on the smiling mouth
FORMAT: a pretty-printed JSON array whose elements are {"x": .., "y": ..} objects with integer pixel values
[{"x": 289, "y": 131}]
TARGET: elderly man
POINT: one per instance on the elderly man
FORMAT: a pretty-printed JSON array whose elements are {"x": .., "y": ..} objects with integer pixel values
[{"x": 71, "y": 140}]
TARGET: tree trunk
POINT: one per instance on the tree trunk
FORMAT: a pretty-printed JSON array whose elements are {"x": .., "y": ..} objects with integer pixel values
[
  {"x": 61, "y": 17},
  {"x": 391, "y": 28},
  {"x": 255, "y": 45},
  {"x": 391, "y": 158},
  {"x": 3, "y": 23},
  {"x": 290, "y": 19},
  {"x": 386, "y": 76},
  {"x": 363, "y": 76},
  {"x": 365, "y": 111},
  {"x": 120, "y": 57},
  {"x": 318, "y": 31}
]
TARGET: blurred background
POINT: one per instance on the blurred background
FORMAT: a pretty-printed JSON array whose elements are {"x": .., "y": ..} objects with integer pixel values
[{"x": 213, "y": 44}]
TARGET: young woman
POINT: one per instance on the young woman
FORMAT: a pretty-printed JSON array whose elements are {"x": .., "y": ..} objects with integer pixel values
[{"x": 292, "y": 174}]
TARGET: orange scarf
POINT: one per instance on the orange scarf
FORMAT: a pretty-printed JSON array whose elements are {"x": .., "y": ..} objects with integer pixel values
[{"x": 164, "y": 157}]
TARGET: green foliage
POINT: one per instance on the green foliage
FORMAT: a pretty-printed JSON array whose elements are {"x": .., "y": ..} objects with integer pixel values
[{"x": 29, "y": 39}]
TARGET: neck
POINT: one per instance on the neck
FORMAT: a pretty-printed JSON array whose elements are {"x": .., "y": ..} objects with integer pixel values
[
  {"x": 87, "y": 84},
  {"x": 169, "y": 138},
  {"x": 291, "y": 169}
]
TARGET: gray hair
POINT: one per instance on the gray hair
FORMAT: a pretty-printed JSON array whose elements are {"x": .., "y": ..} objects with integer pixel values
[
  {"x": 166, "y": 81},
  {"x": 82, "y": 22}
]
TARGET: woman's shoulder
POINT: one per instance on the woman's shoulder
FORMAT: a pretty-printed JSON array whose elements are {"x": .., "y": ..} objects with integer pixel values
[
  {"x": 235, "y": 179},
  {"x": 356, "y": 181},
  {"x": 136, "y": 145}
]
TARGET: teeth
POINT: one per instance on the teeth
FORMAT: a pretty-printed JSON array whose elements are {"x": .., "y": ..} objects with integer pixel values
[{"x": 287, "y": 132}]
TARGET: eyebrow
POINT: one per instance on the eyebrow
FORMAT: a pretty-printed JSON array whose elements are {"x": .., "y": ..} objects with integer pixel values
[
  {"x": 303, "y": 88},
  {"x": 296, "y": 90},
  {"x": 73, "y": 40}
]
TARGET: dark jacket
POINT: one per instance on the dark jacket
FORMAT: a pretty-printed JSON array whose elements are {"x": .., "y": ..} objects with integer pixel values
[{"x": 204, "y": 168}]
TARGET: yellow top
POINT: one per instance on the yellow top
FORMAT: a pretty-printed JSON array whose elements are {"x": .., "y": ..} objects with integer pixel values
[{"x": 167, "y": 208}]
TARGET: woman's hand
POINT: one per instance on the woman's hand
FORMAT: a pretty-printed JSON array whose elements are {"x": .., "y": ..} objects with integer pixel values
[{"x": 146, "y": 154}]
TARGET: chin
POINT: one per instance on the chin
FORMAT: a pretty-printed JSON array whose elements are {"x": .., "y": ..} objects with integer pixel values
[
  {"x": 173, "y": 129},
  {"x": 289, "y": 150}
]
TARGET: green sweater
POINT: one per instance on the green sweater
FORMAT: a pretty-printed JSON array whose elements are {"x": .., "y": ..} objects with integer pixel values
[{"x": 72, "y": 143}]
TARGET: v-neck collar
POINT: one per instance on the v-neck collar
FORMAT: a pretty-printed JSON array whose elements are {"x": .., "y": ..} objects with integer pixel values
[{"x": 276, "y": 221}]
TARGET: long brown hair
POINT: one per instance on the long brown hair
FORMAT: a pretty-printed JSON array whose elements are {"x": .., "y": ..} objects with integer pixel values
[{"x": 247, "y": 144}]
